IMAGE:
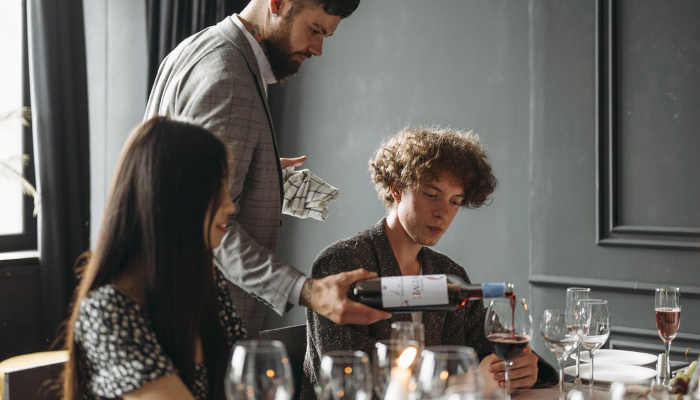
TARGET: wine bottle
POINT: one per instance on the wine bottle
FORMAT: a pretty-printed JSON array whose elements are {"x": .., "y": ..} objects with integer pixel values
[{"x": 445, "y": 292}]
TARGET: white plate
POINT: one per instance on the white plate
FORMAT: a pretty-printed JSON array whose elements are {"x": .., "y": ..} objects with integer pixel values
[
  {"x": 605, "y": 356},
  {"x": 613, "y": 373}
]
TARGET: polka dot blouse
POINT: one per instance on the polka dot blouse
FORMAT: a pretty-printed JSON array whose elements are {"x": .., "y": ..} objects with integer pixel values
[{"x": 118, "y": 351}]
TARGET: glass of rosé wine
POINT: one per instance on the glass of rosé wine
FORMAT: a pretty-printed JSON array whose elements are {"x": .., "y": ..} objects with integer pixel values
[{"x": 667, "y": 305}]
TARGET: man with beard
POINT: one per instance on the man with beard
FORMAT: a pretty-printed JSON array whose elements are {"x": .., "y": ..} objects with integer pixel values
[{"x": 219, "y": 78}]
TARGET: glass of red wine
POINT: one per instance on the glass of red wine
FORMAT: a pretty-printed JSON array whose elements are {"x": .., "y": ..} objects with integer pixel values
[
  {"x": 667, "y": 304},
  {"x": 508, "y": 327}
]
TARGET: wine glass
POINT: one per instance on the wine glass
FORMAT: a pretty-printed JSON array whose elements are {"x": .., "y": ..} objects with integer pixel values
[
  {"x": 595, "y": 317},
  {"x": 385, "y": 359},
  {"x": 667, "y": 304},
  {"x": 260, "y": 370},
  {"x": 559, "y": 338},
  {"x": 508, "y": 327},
  {"x": 345, "y": 375},
  {"x": 443, "y": 367},
  {"x": 573, "y": 295},
  {"x": 409, "y": 331}
]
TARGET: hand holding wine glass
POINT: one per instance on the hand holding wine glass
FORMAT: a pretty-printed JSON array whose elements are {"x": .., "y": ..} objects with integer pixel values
[
  {"x": 667, "y": 305},
  {"x": 561, "y": 340},
  {"x": 595, "y": 317},
  {"x": 508, "y": 327},
  {"x": 260, "y": 370},
  {"x": 573, "y": 296}
]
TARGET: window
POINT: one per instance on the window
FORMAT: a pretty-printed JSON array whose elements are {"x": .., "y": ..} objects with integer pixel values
[{"x": 17, "y": 225}]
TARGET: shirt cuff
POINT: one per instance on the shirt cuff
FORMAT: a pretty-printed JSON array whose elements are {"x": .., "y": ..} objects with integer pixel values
[{"x": 295, "y": 294}]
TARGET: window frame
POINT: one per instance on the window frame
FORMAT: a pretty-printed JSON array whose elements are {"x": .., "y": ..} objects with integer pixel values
[{"x": 26, "y": 240}]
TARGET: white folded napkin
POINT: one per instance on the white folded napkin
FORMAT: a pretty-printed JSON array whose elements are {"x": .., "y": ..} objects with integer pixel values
[{"x": 306, "y": 195}]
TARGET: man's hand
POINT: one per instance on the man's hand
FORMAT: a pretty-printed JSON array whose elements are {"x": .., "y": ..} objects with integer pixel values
[
  {"x": 522, "y": 374},
  {"x": 328, "y": 297},
  {"x": 292, "y": 162}
]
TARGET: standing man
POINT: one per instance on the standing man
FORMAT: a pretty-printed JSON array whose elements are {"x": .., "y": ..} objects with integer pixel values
[{"x": 219, "y": 77}]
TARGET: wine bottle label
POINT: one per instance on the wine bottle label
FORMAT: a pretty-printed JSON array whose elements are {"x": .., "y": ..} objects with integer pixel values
[
  {"x": 415, "y": 290},
  {"x": 493, "y": 290}
]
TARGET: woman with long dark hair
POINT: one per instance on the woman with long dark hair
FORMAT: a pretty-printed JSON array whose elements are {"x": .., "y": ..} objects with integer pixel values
[{"x": 152, "y": 317}]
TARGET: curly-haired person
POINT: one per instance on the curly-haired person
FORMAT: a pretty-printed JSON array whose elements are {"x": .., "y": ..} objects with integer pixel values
[{"x": 423, "y": 176}]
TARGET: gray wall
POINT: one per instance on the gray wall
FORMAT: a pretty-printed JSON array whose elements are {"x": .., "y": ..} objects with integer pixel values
[
  {"x": 115, "y": 34},
  {"x": 615, "y": 193},
  {"x": 523, "y": 75},
  {"x": 398, "y": 62}
]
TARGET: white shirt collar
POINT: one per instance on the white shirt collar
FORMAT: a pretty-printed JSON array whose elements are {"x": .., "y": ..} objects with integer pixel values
[{"x": 264, "y": 64}]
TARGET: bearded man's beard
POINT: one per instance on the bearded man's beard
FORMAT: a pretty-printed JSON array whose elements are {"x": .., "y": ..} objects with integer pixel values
[{"x": 279, "y": 52}]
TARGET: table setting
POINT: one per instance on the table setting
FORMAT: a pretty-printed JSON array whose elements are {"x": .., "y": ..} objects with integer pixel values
[{"x": 402, "y": 368}]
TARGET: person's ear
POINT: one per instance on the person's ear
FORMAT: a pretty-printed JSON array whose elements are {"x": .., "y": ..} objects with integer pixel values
[
  {"x": 275, "y": 6},
  {"x": 395, "y": 193}
]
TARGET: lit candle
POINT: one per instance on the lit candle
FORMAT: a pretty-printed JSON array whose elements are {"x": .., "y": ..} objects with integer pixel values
[{"x": 400, "y": 376}]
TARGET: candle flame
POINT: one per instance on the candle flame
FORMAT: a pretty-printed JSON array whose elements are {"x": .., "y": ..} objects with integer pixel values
[{"x": 407, "y": 357}]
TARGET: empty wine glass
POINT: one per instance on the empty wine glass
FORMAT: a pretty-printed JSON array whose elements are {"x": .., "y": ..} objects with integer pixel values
[
  {"x": 573, "y": 296},
  {"x": 559, "y": 338},
  {"x": 385, "y": 358},
  {"x": 443, "y": 367},
  {"x": 508, "y": 327},
  {"x": 345, "y": 375},
  {"x": 595, "y": 317},
  {"x": 408, "y": 331},
  {"x": 260, "y": 370},
  {"x": 667, "y": 304}
]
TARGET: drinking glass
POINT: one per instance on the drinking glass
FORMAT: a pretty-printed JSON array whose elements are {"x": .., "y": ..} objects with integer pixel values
[
  {"x": 408, "y": 331},
  {"x": 443, "y": 367},
  {"x": 385, "y": 359},
  {"x": 573, "y": 296},
  {"x": 596, "y": 327},
  {"x": 559, "y": 338},
  {"x": 345, "y": 375},
  {"x": 508, "y": 327},
  {"x": 667, "y": 304},
  {"x": 260, "y": 370}
]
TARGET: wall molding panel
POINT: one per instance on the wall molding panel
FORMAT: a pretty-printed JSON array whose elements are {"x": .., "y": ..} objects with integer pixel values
[
  {"x": 692, "y": 292},
  {"x": 610, "y": 232}
]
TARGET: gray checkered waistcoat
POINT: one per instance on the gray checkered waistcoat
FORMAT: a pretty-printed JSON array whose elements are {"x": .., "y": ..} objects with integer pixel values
[{"x": 213, "y": 78}]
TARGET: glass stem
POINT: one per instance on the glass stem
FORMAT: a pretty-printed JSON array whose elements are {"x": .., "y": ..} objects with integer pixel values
[
  {"x": 561, "y": 376},
  {"x": 668, "y": 361},
  {"x": 590, "y": 379},
  {"x": 578, "y": 360},
  {"x": 508, "y": 363}
]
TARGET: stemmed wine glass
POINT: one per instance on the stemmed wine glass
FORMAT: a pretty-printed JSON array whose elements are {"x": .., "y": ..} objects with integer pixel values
[
  {"x": 345, "y": 375},
  {"x": 667, "y": 304},
  {"x": 386, "y": 357},
  {"x": 409, "y": 331},
  {"x": 443, "y": 367},
  {"x": 260, "y": 370},
  {"x": 508, "y": 327},
  {"x": 560, "y": 339},
  {"x": 596, "y": 328},
  {"x": 573, "y": 296}
]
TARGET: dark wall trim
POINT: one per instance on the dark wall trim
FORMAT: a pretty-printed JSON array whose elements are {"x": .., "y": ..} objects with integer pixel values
[
  {"x": 606, "y": 284},
  {"x": 609, "y": 231}
]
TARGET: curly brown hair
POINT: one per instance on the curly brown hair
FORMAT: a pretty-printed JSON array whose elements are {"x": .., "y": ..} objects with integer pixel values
[{"x": 416, "y": 154}]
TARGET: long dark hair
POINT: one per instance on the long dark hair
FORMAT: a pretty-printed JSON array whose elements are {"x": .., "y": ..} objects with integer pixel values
[{"x": 170, "y": 173}]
